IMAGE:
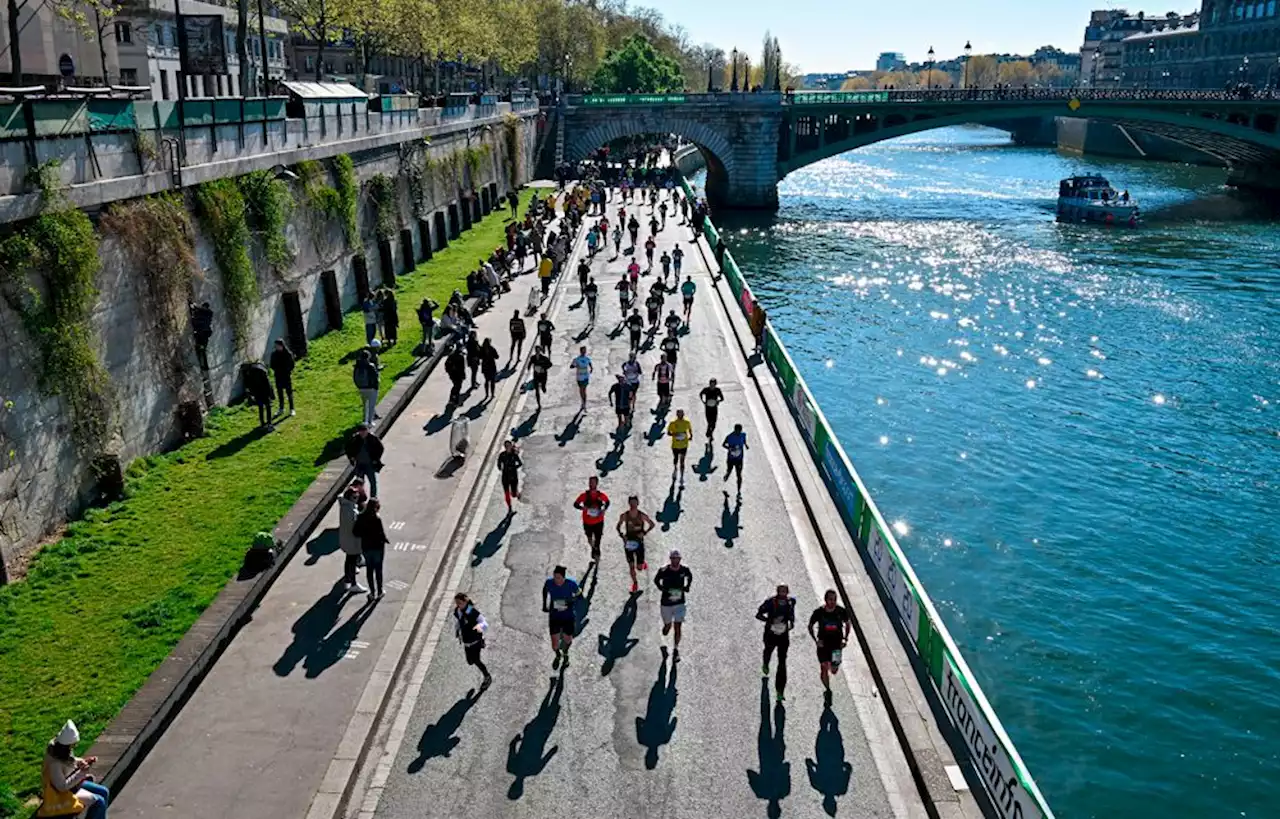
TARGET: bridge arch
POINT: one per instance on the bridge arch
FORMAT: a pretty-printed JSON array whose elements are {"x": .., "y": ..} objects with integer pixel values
[
  {"x": 1236, "y": 137},
  {"x": 714, "y": 145}
]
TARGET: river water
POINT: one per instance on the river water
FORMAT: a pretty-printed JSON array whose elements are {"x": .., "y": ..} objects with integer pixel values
[{"x": 1076, "y": 431}]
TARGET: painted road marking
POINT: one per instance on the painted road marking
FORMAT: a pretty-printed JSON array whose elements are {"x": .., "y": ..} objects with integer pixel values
[
  {"x": 406, "y": 546},
  {"x": 354, "y": 648},
  {"x": 396, "y": 524},
  {"x": 398, "y": 584}
]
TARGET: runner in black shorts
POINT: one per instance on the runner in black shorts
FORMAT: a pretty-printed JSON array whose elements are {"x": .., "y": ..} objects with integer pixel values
[
  {"x": 778, "y": 614},
  {"x": 509, "y": 463},
  {"x": 736, "y": 444},
  {"x": 663, "y": 373},
  {"x": 593, "y": 504},
  {"x": 711, "y": 397},
  {"x": 559, "y": 594},
  {"x": 540, "y": 364},
  {"x": 635, "y": 324},
  {"x": 829, "y": 626},
  {"x": 633, "y": 525},
  {"x": 469, "y": 626}
]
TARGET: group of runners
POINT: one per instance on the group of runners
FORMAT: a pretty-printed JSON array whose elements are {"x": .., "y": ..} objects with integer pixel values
[{"x": 829, "y": 625}]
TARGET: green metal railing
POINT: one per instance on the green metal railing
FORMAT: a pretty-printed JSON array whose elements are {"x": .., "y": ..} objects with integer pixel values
[
  {"x": 834, "y": 97},
  {"x": 1010, "y": 787},
  {"x": 634, "y": 99}
]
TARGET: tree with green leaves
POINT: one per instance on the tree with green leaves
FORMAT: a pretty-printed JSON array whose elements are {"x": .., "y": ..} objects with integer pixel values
[{"x": 639, "y": 68}]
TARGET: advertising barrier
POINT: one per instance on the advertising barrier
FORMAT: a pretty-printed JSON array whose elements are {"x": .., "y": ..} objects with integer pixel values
[{"x": 1010, "y": 787}]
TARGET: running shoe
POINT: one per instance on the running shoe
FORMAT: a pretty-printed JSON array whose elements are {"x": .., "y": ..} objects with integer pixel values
[
  {"x": 635, "y": 587},
  {"x": 556, "y": 662}
]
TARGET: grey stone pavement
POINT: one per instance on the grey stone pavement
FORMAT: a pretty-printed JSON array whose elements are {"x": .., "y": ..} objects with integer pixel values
[
  {"x": 624, "y": 733},
  {"x": 258, "y": 734}
]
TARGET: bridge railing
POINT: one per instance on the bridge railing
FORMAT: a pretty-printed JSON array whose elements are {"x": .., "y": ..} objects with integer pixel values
[
  {"x": 729, "y": 98},
  {"x": 1012, "y": 790},
  {"x": 919, "y": 95}
]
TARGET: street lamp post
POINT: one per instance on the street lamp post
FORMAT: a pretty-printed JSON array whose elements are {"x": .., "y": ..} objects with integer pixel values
[
  {"x": 710, "y": 64},
  {"x": 1151, "y": 61},
  {"x": 733, "y": 86},
  {"x": 968, "y": 52},
  {"x": 929, "y": 77},
  {"x": 1244, "y": 70}
]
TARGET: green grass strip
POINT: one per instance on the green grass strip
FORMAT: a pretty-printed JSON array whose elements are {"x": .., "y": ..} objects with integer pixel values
[{"x": 104, "y": 606}]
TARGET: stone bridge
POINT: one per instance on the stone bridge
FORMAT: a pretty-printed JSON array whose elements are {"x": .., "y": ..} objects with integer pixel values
[{"x": 751, "y": 141}]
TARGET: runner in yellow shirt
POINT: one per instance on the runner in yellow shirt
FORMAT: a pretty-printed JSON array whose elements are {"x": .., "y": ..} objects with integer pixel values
[
  {"x": 681, "y": 432},
  {"x": 544, "y": 273}
]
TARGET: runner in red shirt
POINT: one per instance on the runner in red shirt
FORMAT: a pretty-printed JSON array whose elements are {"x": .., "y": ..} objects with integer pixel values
[{"x": 593, "y": 504}]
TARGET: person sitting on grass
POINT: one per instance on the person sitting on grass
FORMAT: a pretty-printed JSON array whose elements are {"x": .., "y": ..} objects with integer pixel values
[{"x": 66, "y": 786}]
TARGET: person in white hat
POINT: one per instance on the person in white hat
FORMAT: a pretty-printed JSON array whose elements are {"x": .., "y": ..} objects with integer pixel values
[{"x": 67, "y": 787}]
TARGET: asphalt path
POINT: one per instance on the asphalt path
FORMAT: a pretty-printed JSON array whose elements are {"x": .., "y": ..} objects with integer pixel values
[{"x": 625, "y": 731}]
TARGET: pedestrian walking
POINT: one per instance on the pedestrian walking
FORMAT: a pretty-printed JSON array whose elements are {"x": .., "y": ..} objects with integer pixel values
[
  {"x": 369, "y": 309},
  {"x": 517, "y": 329},
  {"x": 282, "y": 362},
  {"x": 674, "y": 581},
  {"x": 472, "y": 346},
  {"x": 366, "y": 377},
  {"x": 348, "y": 511},
  {"x": 455, "y": 366},
  {"x": 373, "y": 545},
  {"x": 489, "y": 356},
  {"x": 364, "y": 450},
  {"x": 427, "y": 320},
  {"x": 258, "y": 387},
  {"x": 778, "y": 614},
  {"x": 469, "y": 627},
  {"x": 544, "y": 274}
]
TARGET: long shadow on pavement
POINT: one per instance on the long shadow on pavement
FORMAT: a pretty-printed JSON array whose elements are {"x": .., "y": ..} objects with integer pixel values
[
  {"x": 438, "y": 739},
  {"x": 326, "y": 543},
  {"x": 440, "y": 421},
  {"x": 492, "y": 542},
  {"x": 613, "y": 458},
  {"x": 829, "y": 773},
  {"x": 706, "y": 465},
  {"x": 658, "y": 726},
  {"x": 728, "y": 528},
  {"x": 310, "y": 628},
  {"x": 571, "y": 430},
  {"x": 525, "y": 757},
  {"x": 527, "y": 426},
  {"x": 337, "y": 643},
  {"x": 670, "y": 512},
  {"x": 582, "y": 606},
  {"x": 772, "y": 782},
  {"x": 619, "y": 642}
]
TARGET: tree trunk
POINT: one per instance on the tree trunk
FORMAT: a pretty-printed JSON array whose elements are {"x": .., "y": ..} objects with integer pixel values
[
  {"x": 15, "y": 53},
  {"x": 320, "y": 53},
  {"x": 242, "y": 46}
]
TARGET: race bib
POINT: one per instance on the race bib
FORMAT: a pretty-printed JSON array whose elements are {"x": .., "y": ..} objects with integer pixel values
[
  {"x": 631, "y": 545},
  {"x": 593, "y": 511},
  {"x": 835, "y": 657},
  {"x": 711, "y": 402},
  {"x": 680, "y": 436},
  {"x": 735, "y": 452},
  {"x": 560, "y": 605},
  {"x": 778, "y": 627},
  {"x": 675, "y": 596}
]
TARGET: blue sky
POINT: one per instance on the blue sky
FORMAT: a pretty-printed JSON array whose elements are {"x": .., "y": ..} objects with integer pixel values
[{"x": 837, "y": 35}]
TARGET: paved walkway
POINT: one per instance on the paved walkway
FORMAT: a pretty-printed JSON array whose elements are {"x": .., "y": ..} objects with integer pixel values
[
  {"x": 624, "y": 733},
  {"x": 257, "y": 736}
]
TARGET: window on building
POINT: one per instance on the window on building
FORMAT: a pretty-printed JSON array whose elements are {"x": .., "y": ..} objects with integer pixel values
[
  {"x": 124, "y": 32},
  {"x": 128, "y": 76},
  {"x": 164, "y": 84}
]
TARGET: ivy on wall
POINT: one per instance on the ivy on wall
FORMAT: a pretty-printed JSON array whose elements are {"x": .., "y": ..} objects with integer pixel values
[
  {"x": 221, "y": 208},
  {"x": 157, "y": 235},
  {"x": 335, "y": 202},
  {"x": 511, "y": 139},
  {"x": 348, "y": 197},
  {"x": 59, "y": 249},
  {"x": 382, "y": 195},
  {"x": 268, "y": 204}
]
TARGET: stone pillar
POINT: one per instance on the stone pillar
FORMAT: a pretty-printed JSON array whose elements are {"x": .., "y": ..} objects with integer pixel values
[
  {"x": 1263, "y": 179},
  {"x": 753, "y": 173}
]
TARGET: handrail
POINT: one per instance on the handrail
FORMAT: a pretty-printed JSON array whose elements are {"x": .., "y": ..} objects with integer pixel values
[
  {"x": 927, "y": 95},
  {"x": 1012, "y": 790}
]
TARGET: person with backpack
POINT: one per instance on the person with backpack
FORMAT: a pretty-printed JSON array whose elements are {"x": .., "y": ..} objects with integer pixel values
[
  {"x": 518, "y": 333},
  {"x": 366, "y": 378},
  {"x": 258, "y": 387},
  {"x": 349, "y": 508},
  {"x": 282, "y": 362},
  {"x": 364, "y": 451}
]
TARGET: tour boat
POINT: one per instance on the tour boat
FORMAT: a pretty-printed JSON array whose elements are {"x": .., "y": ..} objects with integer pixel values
[{"x": 1091, "y": 198}]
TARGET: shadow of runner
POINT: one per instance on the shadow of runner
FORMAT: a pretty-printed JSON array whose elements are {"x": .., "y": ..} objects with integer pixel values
[
  {"x": 326, "y": 543},
  {"x": 582, "y": 606},
  {"x": 492, "y": 542},
  {"x": 571, "y": 430},
  {"x": 728, "y": 528},
  {"x": 670, "y": 512},
  {"x": 706, "y": 465},
  {"x": 829, "y": 774},
  {"x": 612, "y": 459},
  {"x": 337, "y": 643},
  {"x": 658, "y": 726},
  {"x": 241, "y": 441},
  {"x": 438, "y": 739},
  {"x": 772, "y": 782},
  {"x": 440, "y": 421},
  {"x": 525, "y": 757},
  {"x": 310, "y": 629},
  {"x": 527, "y": 426},
  {"x": 619, "y": 642}
]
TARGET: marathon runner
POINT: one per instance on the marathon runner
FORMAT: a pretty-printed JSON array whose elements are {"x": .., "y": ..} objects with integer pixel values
[
  {"x": 633, "y": 526},
  {"x": 672, "y": 322},
  {"x": 517, "y": 336},
  {"x": 653, "y": 309},
  {"x": 711, "y": 399},
  {"x": 686, "y": 293},
  {"x": 469, "y": 627},
  {"x": 509, "y": 464},
  {"x": 584, "y": 272},
  {"x": 591, "y": 292},
  {"x": 582, "y": 370},
  {"x": 663, "y": 373},
  {"x": 662, "y": 209},
  {"x": 736, "y": 445},
  {"x": 665, "y": 261},
  {"x": 778, "y": 614},
  {"x": 593, "y": 504},
  {"x": 633, "y": 228},
  {"x": 670, "y": 347},
  {"x": 633, "y": 275},
  {"x": 617, "y": 238},
  {"x": 633, "y": 372},
  {"x": 624, "y": 296},
  {"x": 674, "y": 580},
  {"x": 559, "y": 593},
  {"x": 621, "y": 399},
  {"x": 829, "y": 626},
  {"x": 649, "y": 246},
  {"x": 540, "y": 364},
  {"x": 677, "y": 259},
  {"x": 681, "y": 432},
  {"x": 545, "y": 329}
]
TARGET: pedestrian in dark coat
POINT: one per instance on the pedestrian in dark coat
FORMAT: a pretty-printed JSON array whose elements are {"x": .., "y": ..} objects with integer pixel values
[
  {"x": 473, "y": 356},
  {"x": 258, "y": 386},
  {"x": 373, "y": 543},
  {"x": 282, "y": 362},
  {"x": 364, "y": 450},
  {"x": 455, "y": 366}
]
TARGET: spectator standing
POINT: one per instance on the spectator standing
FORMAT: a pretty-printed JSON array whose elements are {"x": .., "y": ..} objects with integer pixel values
[
  {"x": 489, "y": 356},
  {"x": 348, "y": 510},
  {"x": 364, "y": 450},
  {"x": 427, "y": 320},
  {"x": 366, "y": 377},
  {"x": 373, "y": 544},
  {"x": 282, "y": 362},
  {"x": 390, "y": 316},
  {"x": 258, "y": 386},
  {"x": 369, "y": 308},
  {"x": 455, "y": 366},
  {"x": 473, "y": 357}
]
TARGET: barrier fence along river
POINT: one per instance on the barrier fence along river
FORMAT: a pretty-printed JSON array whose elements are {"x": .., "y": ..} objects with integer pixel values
[{"x": 1012, "y": 790}]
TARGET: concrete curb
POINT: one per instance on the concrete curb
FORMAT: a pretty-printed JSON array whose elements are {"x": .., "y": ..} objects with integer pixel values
[
  {"x": 915, "y": 724},
  {"x": 127, "y": 739}
]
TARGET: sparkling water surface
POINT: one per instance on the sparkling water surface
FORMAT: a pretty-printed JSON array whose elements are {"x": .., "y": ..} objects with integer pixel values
[{"x": 1077, "y": 429}]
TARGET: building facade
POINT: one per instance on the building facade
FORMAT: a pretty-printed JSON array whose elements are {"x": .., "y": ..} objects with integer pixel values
[
  {"x": 1230, "y": 43},
  {"x": 56, "y": 53},
  {"x": 891, "y": 61},
  {"x": 1102, "y": 53}
]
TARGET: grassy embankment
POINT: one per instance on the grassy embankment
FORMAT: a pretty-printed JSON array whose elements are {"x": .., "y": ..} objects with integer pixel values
[{"x": 102, "y": 607}]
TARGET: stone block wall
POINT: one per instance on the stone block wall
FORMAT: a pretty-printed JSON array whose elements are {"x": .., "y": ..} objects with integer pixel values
[{"x": 47, "y": 479}]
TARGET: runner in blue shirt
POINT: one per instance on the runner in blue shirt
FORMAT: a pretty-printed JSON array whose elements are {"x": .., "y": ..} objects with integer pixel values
[
  {"x": 736, "y": 444},
  {"x": 558, "y": 596},
  {"x": 582, "y": 370}
]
